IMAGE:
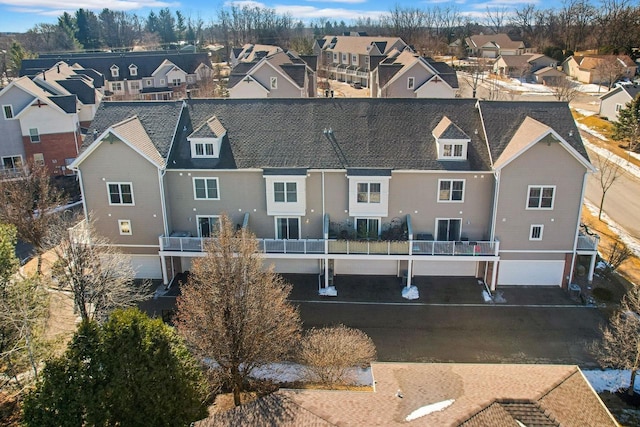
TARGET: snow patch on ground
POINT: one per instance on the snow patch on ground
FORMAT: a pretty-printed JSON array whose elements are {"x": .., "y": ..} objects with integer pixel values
[
  {"x": 292, "y": 372},
  {"x": 586, "y": 113},
  {"x": 631, "y": 242},
  {"x": 591, "y": 131},
  {"x": 591, "y": 88},
  {"x": 426, "y": 410},
  {"x": 486, "y": 296},
  {"x": 410, "y": 292},
  {"x": 516, "y": 85},
  {"x": 603, "y": 152},
  {"x": 329, "y": 291},
  {"x": 610, "y": 380}
]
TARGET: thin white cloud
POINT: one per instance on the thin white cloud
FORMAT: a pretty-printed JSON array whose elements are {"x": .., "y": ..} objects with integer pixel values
[
  {"x": 51, "y": 6},
  {"x": 306, "y": 13},
  {"x": 501, "y": 3},
  {"x": 340, "y": 1}
]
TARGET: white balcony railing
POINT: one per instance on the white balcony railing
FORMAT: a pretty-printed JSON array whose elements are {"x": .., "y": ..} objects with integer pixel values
[
  {"x": 587, "y": 242},
  {"x": 347, "y": 247}
]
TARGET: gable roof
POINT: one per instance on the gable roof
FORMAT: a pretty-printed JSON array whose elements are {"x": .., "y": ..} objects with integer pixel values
[
  {"x": 132, "y": 131},
  {"x": 591, "y": 62},
  {"x": 399, "y": 62},
  {"x": 212, "y": 128},
  {"x": 288, "y": 64},
  {"x": 361, "y": 45},
  {"x": 85, "y": 93},
  {"x": 364, "y": 133},
  {"x": 631, "y": 90},
  {"x": 42, "y": 95},
  {"x": 159, "y": 119},
  {"x": 67, "y": 103},
  {"x": 482, "y": 394},
  {"x": 501, "y": 40},
  {"x": 446, "y": 129},
  {"x": 502, "y": 119},
  {"x": 146, "y": 62}
]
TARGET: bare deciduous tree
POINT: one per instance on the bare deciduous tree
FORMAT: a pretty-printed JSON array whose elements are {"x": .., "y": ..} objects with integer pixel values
[
  {"x": 496, "y": 17},
  {"x": 29, "y": 202},
  {"x": 99, "y": 277},
  {"x": 608, "y": 173},
  {"x": 564, "y": 89},
  {"x": 330, "y": 353},
  {"x": 620, "y": 345},
  {"x": 618, "y": 254},
  {"x": 235, "y": 312},
  {"x": 608, "y": 70}
]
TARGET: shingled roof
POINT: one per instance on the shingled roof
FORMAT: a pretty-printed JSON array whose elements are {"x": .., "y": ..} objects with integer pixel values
[
  {"x": 332, "y": 133},
  {"x": 160, "y": 120}
]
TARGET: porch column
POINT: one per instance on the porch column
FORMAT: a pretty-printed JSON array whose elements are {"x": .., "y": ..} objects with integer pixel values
[
  {"x": 592, "y": 267},
  {"x": 409, "y": 266},
  {"x": 165, "y": 278},
  {"x": 326, "y": 273},
  {"x": 494, "y": 276}
]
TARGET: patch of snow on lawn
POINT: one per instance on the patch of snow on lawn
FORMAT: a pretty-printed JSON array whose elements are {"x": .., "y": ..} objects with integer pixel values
[
  {"x": 591, "y": 88},
  {"x": 631, "y": 242},
  {"x": 603, "y": 152},
  {"x": 610, "y": 380},
  {"x": 426, "y": 410},
  {"x": 586, "y": 113},
  {"x": 292, "y": 372},
  {"x": 592, "y": 132},
  {"x": 517, "y": 86}
]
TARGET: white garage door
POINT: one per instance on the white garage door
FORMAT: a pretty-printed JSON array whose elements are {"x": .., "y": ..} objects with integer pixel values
[
  {"x": 377, "y": 267},
  {"x": 543, "y": 273},
  {"x": 444, "y": 268},
  {"x": 300, "y": 266},
  {"x": 147, "y": 267}
]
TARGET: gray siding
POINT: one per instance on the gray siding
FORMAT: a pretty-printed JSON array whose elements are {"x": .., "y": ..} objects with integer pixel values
[
  {"x": 608, "y": 105},
  {"x": 117, "y": 162},
  {"x": 285, "y": 88},
  {"x": 542, "y": 164},
  {"x": 398, "y": 88}
]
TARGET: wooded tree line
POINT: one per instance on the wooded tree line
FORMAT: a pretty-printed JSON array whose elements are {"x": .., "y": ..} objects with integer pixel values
[{"x": 610, "y": 26}]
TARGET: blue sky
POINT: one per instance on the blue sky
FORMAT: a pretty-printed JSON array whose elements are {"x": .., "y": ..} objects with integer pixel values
[{"x": 20, "y": 15}]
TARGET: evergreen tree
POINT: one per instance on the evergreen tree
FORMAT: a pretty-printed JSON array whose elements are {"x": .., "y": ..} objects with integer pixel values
[{"x": 628, "y": 125}]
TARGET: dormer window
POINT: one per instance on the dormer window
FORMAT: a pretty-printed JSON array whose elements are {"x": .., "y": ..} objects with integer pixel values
[
  {"x": 133, "y": 70},
  {"x": 451, "y": 141},
  {"x": 206, "y": 140},
  {"x": 115, "y": 71}
]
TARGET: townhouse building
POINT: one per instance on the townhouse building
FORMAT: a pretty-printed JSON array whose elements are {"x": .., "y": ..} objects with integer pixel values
[
  {"x": 407, "y": 75},
  {"x": 404, "y": 187},
  {"x": 350, "y": 58},
  {"x": 278, "y": 75},
  {"x": 493, "y": 45},
  {"x": 150, "y": 75},
  {"x": 42, "y": 118}
]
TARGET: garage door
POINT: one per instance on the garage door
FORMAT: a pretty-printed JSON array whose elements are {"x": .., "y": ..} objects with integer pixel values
[
  {"x": 543, "y": 273},
  {"x": 147, "y": 267},
  {"x": 444, "y": 268},
  {"x": 300, "y": 266},
  {"x": 377, "y": 267}
]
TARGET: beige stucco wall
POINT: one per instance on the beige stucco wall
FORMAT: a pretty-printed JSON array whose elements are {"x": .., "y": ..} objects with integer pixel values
[
  {"x": 542, "y": 164},
  {"x": 117, "y": 162}
]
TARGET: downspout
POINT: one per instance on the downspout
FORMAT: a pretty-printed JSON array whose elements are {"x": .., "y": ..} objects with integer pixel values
[
  {"x": 84, "y": 200},
  {"x": 496, "y": 192},
  {"x": 161, "y": 173},
  {"x": 575, "y": 240}
]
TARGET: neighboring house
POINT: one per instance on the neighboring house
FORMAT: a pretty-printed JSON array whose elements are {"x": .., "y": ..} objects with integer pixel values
[
  {"x": 435, "y": 394},
  {"x": 280, "y": 75},
  {"x": 522, "y": 66},
  {"x": 616, "y": 99},
  {"x": 153, "y": 75},
  {"x": 351, "y": 58},
  {"x": 494, "y": 45},
  {"x": 407, "y": 75},
  {"x": 42, "y": 117},
  {"x": 252, "y": 53},
  {"x": 429, "y": 187},
  {"x": 599, "y": 69},
  {"x": 548, "y": 76}
]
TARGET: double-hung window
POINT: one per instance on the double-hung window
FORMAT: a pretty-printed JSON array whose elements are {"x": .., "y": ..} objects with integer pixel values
[
  {"x": 8, "y": 111},
  {"x": 206, "y": 189},
  {"x": 274, "y": 83},
  {"x": 368, "y": 192},
  {"x": 34, "y": 135},
  {"x": 411, "y": 81},
  {"x": 285, "y": 192},
  {"x": 120, "y": 193},
  {"x": 540, "y": 196},
  {"x": 451, "y": 190},
  {"x": 125, "y": 227}
]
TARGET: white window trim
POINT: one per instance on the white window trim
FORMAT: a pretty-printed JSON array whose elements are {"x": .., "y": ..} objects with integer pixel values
[
  {"x": 286, "y": 201},
  {"x": 531, "y": 232},
  {"x": 195, "y": 197},
  {"x": 369, "y": 202},
  {"x": 275, "y": 225},
  {"x": 195, "y": 142},
  {"x": 121, "y": 222},
  {"x": 149, "y": 82},
  {"x": 133, "y": 70},
  {"x": 411, "y": 83},
  {"x": 335, "y": 57},
  {"x": 367, "y": 218},
  {"x": 372, "y": 210},
  {"x": 115, "y": 71},
  {"x": 41, "y": 162},
  {"x": 12, "y": 160},
  {"x": 37, "y": 135},
  {"x": 435, "y": 229},
  {"x": 4, "y": 114},
  {"x": 464, "y": 184},
  {"x": 217, "y": 218},
  {"x": 162, "y": 82},
  {"x": 541, "y": 187},
  {"x": 354, "y": 59},
  {"x": 119, "y": 183},
  {"x": 453, "y": 142},
  {"x": 286, "y": 209},
  {"x": 618, "y": 107},
  {"x": 273, "y": 82}
]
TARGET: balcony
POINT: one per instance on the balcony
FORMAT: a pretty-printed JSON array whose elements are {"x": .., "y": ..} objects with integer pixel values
[{"x": 588, "y": 242}]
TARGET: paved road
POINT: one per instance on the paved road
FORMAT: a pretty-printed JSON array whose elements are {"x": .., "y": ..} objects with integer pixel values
[
  {"x": 622, "y": 203},
  {"x": 486, "y": 334}
]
